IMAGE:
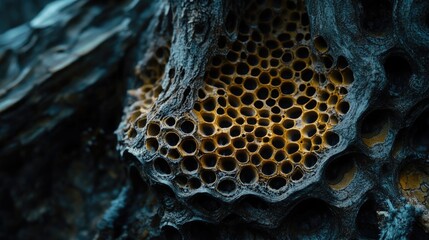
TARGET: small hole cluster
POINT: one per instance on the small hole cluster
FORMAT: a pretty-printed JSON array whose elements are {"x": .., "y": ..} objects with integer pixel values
[
  {"x": 263, "y": 115},
  {"x": 264, "y": 110},
  {"x": 150, "y": 74}
]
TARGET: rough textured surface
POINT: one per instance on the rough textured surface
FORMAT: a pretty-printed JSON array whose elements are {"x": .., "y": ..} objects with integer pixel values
[{"x": 242, "y": 120}]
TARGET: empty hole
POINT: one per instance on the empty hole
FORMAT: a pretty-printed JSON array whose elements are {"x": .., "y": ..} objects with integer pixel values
[
  {"x": 287, "y": 88},
  {"x": 302, "y": 100},
  {"x": 271, "y": 44},
  {"x": 248, "y": 175},
  {"x": 251, "y": 121},
  {"x": 246, "y": 111},
  {"x": 252, "y": 147},
  {"x": 331, "y": 138},
  {"x": 310, "y": 117},
  {"x": 255, "y": 72},
  {"x": 286, "y": 167},
  {"x": 208, "y": 145},
  {"x": 258, "y": 104},
  {"x": 153, "y": 129},
  {"x": 225, "y": 151},
  {"x": 232, "y": 113},
  {"x": 263, "y": 52},
  {"x": 270, "y": 102},
  {"x": 209, "y": 160},
  {"x": 242, "y": 68},
  {"x": 292, "y": 148},
  {"x": 285, "y": 102},
  {"x": 225, "y": 122},
  {"x": 306, "y": 144},
  {"x": 227, "y": 69},
  {"x": 280, "y": 156},
  {"x": 264, "y": 113},
  {"x": 172, "y": 138},
  {"x": 276, "y": 183},
  {"x": 311, "y": 104},
  {"x": 340, "y": 172},
  {"x": 189, "y": 145},
  {"x": 161, "y": 166},
  {"x": 209, "y": 104},
  {"x": 266, "y": 151},
  {"x": 173, "y": 154},
  {"x": 262, "y": 93},
  {"x": 260, "y": 132},
  {"x": 181, "y": 180},
  {"x": 302, "y": 52},
  {"x": 263, "y": 122},
  {"x": 323, "y": 107},
  {"x": 276, "y": 118},
  {"x": 294, "y": 112},
  {"x": 190, "y": 164},
  {"x": 208, "y": 117},
  {"x": 152, "y": 144},
  {"x": 170, "y": 121},
  {"x": 288, "y": 123},
  {"x": 320, "y": 44},
  {"x": 220, "y": 111},
  {"x": 310, "y": 160},
  {"x": 307, "y": 74},
  {"x": 207, "y": 129},
  {"x": 250, "y": 84},
  {"x": 375, "y": 127},
  {"x": 268, "y": 168},
  {"x": 223, "y": 139},
  {"x": 221, "y": 100},
  {"x": 208, "y": 176},
  {"x": 278, "y": 130},
  {"x": 333, "y": 100},
  {"x": 310, "y": 91},
  {"x": 238, "y": 143},
  {"x": 286, "y": 73},
  {"x": 239, "y": 121},
  {"x": 226, "y": 186},
  {"x": 233, "y": 101},
  {"x": 256, "y": 159},
  {"x": 287, "y": 57},
  {"x": 242, "y": 156},
  {"x": 293, "y": 135},
  {"x": 247, "y": 98},
  {"x": 264, "y": 78},
  {"x": 248, "y": 128},
  {"x": 343, "y": 107},
  {"x": 253, "y": 61},
  {"x": 187, "y": 126},
  {"x": 335, "y": 77},
  {"x": 398, "y": 72},
  {"x": 141, "y": 123},
  {"x": 227, "y": 164},
  {"x": 236, "y": 90},
  {"x": 297, "y": 175}
]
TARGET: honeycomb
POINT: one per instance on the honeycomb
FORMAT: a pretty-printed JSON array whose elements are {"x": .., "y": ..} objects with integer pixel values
[
  {"x": 275, "y": 133},
  {"x": 266, "y": 111}
]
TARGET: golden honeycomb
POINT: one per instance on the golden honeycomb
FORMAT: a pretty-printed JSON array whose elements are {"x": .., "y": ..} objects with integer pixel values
[{"x": 264, "y": 114}]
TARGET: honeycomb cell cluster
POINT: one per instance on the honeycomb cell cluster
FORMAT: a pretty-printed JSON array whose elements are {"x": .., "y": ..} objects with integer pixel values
[
  {"x": 150, "y": 74},
  {"x": 264, "y": 114}
]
